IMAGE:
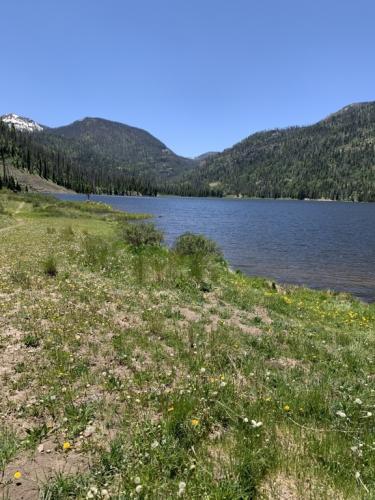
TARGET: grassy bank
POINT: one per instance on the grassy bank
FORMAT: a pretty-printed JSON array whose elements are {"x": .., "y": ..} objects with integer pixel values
[{"x": 145, "y": 373}]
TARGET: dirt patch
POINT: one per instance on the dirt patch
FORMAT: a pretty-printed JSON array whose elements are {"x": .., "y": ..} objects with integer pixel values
[
  {"x": 262, "y": 313},
  {"x": 12, "y": 353},
  {"x": 283, "y": 486},
  {"x": 36, "y": 469},
  {"x": 285, "y": 363},
  {"x": 189, "y": 314},
  {"x": 280, "y": 487}
]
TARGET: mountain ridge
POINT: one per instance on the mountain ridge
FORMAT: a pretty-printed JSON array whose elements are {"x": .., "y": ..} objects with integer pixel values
[{"x": 333, "y": 158}]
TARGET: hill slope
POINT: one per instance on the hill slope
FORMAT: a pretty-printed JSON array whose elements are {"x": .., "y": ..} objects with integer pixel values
[
  {"x": 91, "y": 155},
  {"x": 334, "y": 159},
  {"x": 118, "y": 145}
]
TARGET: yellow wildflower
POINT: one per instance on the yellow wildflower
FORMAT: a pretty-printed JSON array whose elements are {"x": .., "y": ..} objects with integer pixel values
[
  {"x": 17, "y": 475},
  {"x": 286, "y": 408},
  {"x": 67, "y": 445},
  {"x": 194, "y": 422}
]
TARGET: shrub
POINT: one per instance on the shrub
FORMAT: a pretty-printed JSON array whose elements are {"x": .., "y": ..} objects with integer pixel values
[
  {"x": 96, "y": 252},
  {"x": 31, "y": 341},
  {"x": 196, "y": 245},
  {"x": 50, "y": 266},
  {"x": 141, "y": 235},
  {"x": 67, "y": 233}
]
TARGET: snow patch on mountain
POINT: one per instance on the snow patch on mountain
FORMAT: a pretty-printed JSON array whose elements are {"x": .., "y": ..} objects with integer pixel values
[{"x": 21, "y": 123}]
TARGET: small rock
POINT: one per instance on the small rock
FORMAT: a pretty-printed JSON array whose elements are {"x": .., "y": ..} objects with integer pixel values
[
  {"x": 89, "y": 431},
  {"x": 41, "y": 448}
]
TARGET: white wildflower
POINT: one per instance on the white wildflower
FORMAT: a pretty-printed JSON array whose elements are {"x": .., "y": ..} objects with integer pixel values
[
  {"x": 181, "y": 488},
  {"x": 203, "y": 370},
  {"x": 341, "y": 414},
  {"x": 246, "y": 420},
  {"x": 154, "y": 445},
  {"x": 358, "y": 401},
  {"x": 139, "y": 489},
  {"x": 137, "y": 480},
  {"x": 256, "y": 424}
]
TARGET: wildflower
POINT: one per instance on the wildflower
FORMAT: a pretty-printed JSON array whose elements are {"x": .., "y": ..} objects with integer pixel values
[
  {"x": 194, "y": 422},
  {"x": 203, "y": 370},
  {"x": 139, "y": 489},
  {"x": 256, "y": 424},
  {"x": 357, "y": 401},
  {"x": 66, "y": 445},
  {"x": 17, "y": 475},
  {"x": 181, "y": 488},
  {"x": 154, "y": 445},
  {"x": 357, "y": 450},
  {"x": 341, "y": 414},
  {"x": 286, "y": 408},
  {"x": 171, "y": 408},
  {"x": 137, "y": 480},
  {"x": 246, "y": 420},
  {"x": 223, "y": 384}
]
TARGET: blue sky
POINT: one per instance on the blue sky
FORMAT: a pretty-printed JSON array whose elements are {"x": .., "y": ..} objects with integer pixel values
[{"x": 198, "y": 74}]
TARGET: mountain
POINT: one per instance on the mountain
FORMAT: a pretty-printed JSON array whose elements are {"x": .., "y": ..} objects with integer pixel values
[
  {"x": 333, "y": 159},
  {"x": 121, "y": 146},
  {"x": 22, "y": 123},
  {"x": 92, "y": 154}
]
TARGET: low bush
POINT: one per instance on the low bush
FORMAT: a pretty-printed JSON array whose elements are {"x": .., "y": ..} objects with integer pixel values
[
  {"x": 96, "y": 252},
  {"x": 67, "y": 233},
  {"x": 31, "y": 341},
  {"x": 141, "y": 235},
  {"x": 196, "y": 244},
  {"x": 50, "y": 266}
]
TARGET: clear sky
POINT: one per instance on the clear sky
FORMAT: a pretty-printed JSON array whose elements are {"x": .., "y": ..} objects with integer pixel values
[{"x": 198, "y": 74}]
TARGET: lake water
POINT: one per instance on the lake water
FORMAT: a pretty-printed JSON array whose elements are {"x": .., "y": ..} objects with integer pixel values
[{"x": 317, "y": 244}]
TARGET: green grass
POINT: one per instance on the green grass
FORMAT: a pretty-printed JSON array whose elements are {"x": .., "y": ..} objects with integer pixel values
[{"x": 161, "y": 371}]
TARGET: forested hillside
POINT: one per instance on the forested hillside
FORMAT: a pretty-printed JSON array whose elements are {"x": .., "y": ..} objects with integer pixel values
[
  {"x": 332, "y": 159},
  {"x": 116, "y": 145},
  {"x": 55, "y": 158}
]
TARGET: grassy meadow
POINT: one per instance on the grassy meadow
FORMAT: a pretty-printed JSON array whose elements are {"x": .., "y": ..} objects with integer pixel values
[{"x": 128, "y": 370}]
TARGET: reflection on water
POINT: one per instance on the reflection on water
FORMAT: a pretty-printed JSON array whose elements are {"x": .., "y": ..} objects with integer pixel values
[{"x": 318, "y": 244}]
